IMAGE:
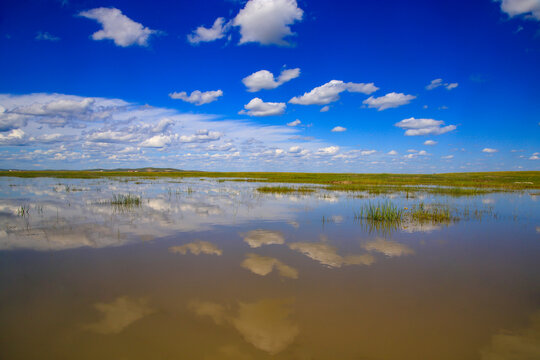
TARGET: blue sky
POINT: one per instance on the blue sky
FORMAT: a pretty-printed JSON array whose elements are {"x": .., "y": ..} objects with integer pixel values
[{"x": 266, "y": 85}]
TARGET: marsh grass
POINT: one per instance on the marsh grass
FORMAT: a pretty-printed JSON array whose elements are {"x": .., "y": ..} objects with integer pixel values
[
  {"x": 23, "y": 210},
  {"x": 386, "y": 217},
  {"x": 127, "y": 201},
  {"x": 380, "y": 212},
  {"x": 285, "y": 190},
  {"x": 489, "y": 181},
  {"x": 434, "y": 213}
]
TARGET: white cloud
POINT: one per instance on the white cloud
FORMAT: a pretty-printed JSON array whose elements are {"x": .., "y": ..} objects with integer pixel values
[
  {"x": 201, "y": 136},
  {"x": 202, "y": 34},
  {"x": 12, "y": 137},
  {"x": 489, "y": 150},
  {"x": 267, "y": 22},
  {"x": 197, "y": 97},
  {"x": 56, "y": 107},
  {"x": 434, "y": 84},
  {"x": 257, "y": 107},
  {"x": 118, "y": 27},
  {"x": 430, "y": 142},
  {"x": 447, "y": 157},
  {"x": 100, "y": 129},
  {"x": 43, "y": 35},
  {"x": 325, "y": 108},
  {"x": 339, "y": 129},
  {"x": 294, "y": 123},
  {"x": 415, "y": 127},
  {"x": 330, "y": 150},
  {"x": 159, "y": 141},
  {"x": 329, "y": 92},
  {"x": 390, "y": 100},
  {"x": 439, "y": 82},
  {"x": 528, "y": 8},
  {"x": 392, "y": 152},
  {"x": 367, "y": 152},
  {"x": 534, "y": 157},
  {"x": 264, "y": 79},
  {"x": 422, "y": 153}
]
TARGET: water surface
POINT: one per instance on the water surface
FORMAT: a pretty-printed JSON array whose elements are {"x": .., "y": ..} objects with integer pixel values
[{"x": 210, "y": 269}]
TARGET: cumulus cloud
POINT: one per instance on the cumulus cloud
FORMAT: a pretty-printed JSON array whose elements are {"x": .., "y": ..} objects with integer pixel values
[
  {"x": 325, "y": 108},
  {"x": 388, "y": 101},
  {"x": 14, "y": 137},
  {"x": 10, "y": 121},
  {"x": 45, "y": 36},
  {"x": 267, "y": 22},
  {"x": 294, "y": 123},
  {"x": 217, "y": 31},
  {"x": 430, "y": 142},
  {"x": 489, "y": 150},
  {"x": 367, "y": 152},
  {"x": 534, "y": 156},
  {"x": 447, "y": 157},
  {"x": 392, "y": 152},
  {"x": 197, "y": 97},
  {"x": 439, "y": 82},
  {"x": 339, "y": 129},
  {"x": 118, "y": 27},
  {"x": 330, "y": 150},
  {"x": 416, "y": 127},
  {"x": 257, "y": 107},
  {"x": 159, "y": 141},
  {"x": 264, "y": 79},
  {"x": 329, "y": 92},
  {"x": 100, "y": 129},
  {"x": 201, "y": 136},
  {"x": 527, "y": 8}
]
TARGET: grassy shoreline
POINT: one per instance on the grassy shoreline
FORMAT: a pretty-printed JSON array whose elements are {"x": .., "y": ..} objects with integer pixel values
[{"x": 507, "y": 180}]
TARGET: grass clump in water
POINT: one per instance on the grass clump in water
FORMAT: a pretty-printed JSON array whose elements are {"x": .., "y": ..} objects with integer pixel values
[
  {"x": 437, "y": 214},
  {"x": 284, "y": 189},
  {"x": 380, "y": 212},
  {"x": 126, "y": 200}
]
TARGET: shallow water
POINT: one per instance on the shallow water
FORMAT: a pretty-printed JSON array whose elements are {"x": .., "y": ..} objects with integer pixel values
[{"x": 204, "y": 269}]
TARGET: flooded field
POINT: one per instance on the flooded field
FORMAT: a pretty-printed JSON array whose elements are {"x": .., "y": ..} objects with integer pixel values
[{"x": 214, "y": 269}]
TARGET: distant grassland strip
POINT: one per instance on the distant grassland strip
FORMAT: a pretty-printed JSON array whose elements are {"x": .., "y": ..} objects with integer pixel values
[{"x": 473, "y": 182}]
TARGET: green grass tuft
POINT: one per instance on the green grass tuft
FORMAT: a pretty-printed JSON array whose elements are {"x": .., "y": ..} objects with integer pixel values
[
  {"x": 284, "y": 189},
  {"x": 126, "y": 200}
]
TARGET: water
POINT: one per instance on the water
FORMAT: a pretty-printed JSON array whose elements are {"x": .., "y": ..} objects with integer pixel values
[{"x": 208, "y": 269}]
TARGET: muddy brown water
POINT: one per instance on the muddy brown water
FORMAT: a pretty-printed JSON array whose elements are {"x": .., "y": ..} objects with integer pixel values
[{"x": 202, "y": 269}]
